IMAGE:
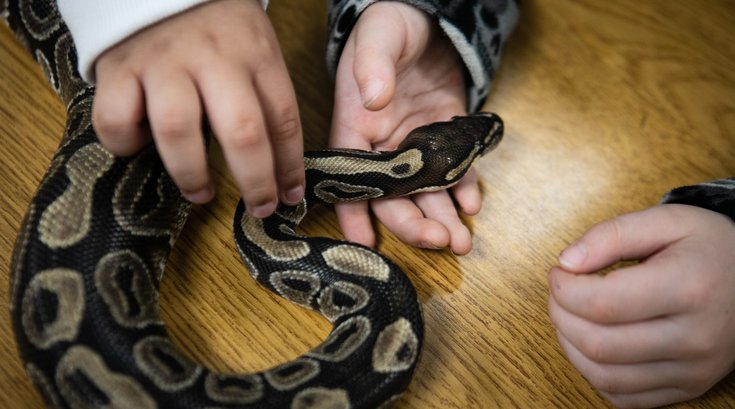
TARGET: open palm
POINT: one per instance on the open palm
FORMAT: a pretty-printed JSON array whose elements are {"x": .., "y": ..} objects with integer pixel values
[{"x": 398, "y": 72}]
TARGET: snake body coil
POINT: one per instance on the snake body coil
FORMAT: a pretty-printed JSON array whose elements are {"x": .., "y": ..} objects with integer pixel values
[{"x": 91, "y": 251}]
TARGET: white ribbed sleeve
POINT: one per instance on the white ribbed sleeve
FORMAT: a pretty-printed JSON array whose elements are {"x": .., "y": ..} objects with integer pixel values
[{"x": 97, "y": 25}]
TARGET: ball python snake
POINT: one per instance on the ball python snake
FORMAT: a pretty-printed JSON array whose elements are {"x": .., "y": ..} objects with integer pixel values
[{"x": 91, "y": 251}]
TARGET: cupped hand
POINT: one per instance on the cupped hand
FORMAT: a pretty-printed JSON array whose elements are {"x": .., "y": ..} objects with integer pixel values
[
  {"x": 657, "y": 332},
  {"x": 223, "y": 59},
  {"x": 398, "y": 72}
]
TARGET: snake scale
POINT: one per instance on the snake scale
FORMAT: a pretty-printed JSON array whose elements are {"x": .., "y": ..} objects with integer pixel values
[{"x": 91, "y": 252}]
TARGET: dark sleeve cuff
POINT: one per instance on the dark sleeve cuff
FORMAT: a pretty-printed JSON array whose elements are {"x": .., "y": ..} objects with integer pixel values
[
  {"x": 478, "y": 30},
  {"x": 718, "y": 196}
]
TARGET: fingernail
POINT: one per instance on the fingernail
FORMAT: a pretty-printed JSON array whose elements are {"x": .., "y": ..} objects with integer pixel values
[
  {"x": 371, "y": 92},
  {"x": 573, "y": 256},
  {"x": 263, "y": 210},
  {"x": 202, "y": 196},
  {"x": 295, "y": 195}
]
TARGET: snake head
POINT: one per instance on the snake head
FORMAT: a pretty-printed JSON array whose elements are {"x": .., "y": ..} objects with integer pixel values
[
  {"x": 452, "y": 146},
  {"x": 484, "y": 129},
  {"x": 479, "y": 133}
]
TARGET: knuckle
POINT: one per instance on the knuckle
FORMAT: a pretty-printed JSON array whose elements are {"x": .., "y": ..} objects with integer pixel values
[
  {"x": 554, "y": 313},
  {"x": 243, "y": 135},
  {"x": 367, "y": 52},
  {"x": 601, "y": 380},
  {"x": 110, "y": 124},
  {"x": 673, "y": 213},
  {"x": 111, "y": 60},
  {"x": 616, "y": 225},
  {"x": 172, "y": 124},
  {"x": 265, "y": 43},
  {"x": 214, "y": 42},
  {"x": 602, "y": 309},
  {"x": 291, "y": 173},
  {"x": 620, "y": 401},
  {"x": 702, "y": 345},
  {"x": 699, "y": 380},
  {"x": 187, "y": 179},
  {"x": 287, "y": 127},
  {"x": 259, "y": 191},
  {"x": 268, "y": 56},
  {"x": 593, "y": 347},
  {"x": 693, "y": 296}
]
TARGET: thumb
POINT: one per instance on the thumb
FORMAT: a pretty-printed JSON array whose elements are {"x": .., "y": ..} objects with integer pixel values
[
  {"x": 629, "y": 237},
  {"x": 377, "y": 51}
]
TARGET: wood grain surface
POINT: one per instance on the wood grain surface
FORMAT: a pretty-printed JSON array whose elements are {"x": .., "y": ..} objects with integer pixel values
[{"x": 608, "y": 105}]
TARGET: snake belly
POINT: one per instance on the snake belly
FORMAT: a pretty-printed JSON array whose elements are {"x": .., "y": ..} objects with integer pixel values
[{"x": 91, "y": 252}]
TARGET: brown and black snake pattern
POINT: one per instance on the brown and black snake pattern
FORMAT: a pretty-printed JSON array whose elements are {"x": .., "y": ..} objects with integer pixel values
[{"x": 91, "y": 253}]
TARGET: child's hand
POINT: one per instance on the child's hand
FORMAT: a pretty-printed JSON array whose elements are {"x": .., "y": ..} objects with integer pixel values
[
  {"x": 221, "y": 58},
  {"x": 658, "y": 332},
  {"x": 397, "y": 72}
]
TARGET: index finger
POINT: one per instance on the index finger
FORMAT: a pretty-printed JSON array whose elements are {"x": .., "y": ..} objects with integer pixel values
[
  {"x": 237, "y": 119},
  {"x": 640, "y": 292},
  {"x": 284, "y": 126},
  {"x": 628, "y": 237}
]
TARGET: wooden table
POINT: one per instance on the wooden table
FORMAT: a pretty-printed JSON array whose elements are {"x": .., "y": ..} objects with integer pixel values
[{"x": 608, "y": 105}]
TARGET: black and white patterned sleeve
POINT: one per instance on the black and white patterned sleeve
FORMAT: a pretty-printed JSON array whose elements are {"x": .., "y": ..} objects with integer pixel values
[
  {"x": 718, "y": 196},
  {"x": 477, "y": 28}
]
